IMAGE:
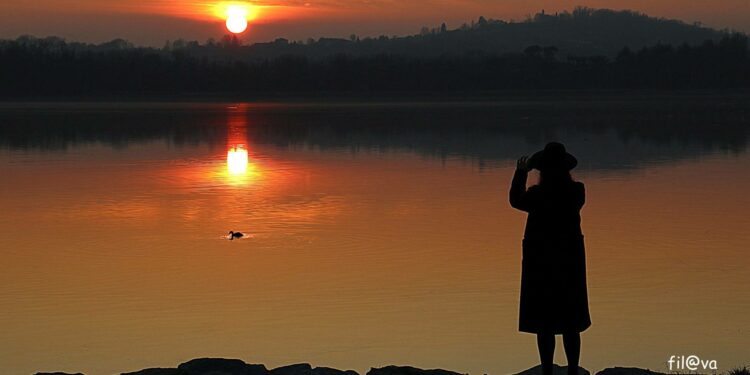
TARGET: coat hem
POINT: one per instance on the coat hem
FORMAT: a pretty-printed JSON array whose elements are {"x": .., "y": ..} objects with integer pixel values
[{"x": 554, "y": 331}]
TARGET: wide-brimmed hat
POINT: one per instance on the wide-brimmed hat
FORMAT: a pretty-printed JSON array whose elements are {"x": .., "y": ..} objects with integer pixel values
[{"x": 553, "y": 156}]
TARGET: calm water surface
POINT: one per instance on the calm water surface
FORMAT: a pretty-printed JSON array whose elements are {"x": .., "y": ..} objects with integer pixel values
[{"x": 377, "y": 234}]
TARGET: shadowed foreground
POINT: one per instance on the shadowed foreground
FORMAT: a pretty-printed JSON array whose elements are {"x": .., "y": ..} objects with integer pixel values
[{"x": 221, "y": 366}]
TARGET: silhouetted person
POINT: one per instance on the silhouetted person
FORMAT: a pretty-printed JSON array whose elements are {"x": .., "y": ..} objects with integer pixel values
[{"x": 554, "y": 299}]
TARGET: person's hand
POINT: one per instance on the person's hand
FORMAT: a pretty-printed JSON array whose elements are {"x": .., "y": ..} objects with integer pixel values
[{"x": 523, "y": 164}]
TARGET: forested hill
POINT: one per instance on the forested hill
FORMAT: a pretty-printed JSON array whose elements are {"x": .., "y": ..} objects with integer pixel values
[
  {"x": 582, "y": 32},
  {"x": 584, "y": 49}
]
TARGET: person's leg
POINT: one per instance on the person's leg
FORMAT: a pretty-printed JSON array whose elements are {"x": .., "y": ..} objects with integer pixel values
[
  {"x": 546, "y": 344},
  {"x": 572, "y": 344}
]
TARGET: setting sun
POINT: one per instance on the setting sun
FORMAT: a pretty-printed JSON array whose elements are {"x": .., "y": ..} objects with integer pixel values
[{"x": 237, "y": 15}]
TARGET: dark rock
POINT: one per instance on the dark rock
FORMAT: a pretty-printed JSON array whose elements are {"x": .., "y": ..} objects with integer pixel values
[
  {"x": 628, "y": 371},
  {"x": 297, "y": 369},
  {"x": 557, "y": 370},
  {"x": 221, "y": 366},
  {"x": 306, "y": 369},
  {"x": 157, "y": 371},
  {"x": 332, "y": 371},
  {"x": 407, "y": 370}
]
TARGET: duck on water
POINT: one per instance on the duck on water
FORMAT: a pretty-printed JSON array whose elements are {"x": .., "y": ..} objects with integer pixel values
[{"x": 237, "y": 235}]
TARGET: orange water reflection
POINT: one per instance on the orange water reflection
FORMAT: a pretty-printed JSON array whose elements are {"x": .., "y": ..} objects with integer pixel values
[
  {"x": 239, "y": 169},
  {"x": 356, "y": 260},
  {"x": 237, "y": 160},
  {"x": 389, "y": 258}
]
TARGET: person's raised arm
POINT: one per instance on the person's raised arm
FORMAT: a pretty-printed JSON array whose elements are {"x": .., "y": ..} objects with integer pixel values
[{"x": 518, "y": 194}]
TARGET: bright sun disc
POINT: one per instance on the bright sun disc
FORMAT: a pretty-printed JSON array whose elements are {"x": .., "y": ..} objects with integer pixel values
[{"x": 236, "y": 18}]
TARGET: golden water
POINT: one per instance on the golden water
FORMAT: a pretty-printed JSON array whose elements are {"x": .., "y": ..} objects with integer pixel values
[{"x": 361, "y": 249}]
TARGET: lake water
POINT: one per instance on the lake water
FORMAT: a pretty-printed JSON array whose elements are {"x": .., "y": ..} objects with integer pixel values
[{"x": 376, "y": 233}]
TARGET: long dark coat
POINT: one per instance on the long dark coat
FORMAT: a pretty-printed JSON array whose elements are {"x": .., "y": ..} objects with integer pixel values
[{"x": 554, "y": 298}]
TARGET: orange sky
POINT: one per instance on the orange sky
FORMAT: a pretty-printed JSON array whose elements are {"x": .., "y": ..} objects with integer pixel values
[{"x": 153, "y": 22}]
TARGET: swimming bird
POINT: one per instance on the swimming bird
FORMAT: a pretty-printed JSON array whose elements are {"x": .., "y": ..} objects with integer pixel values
[{"x": 233, "y": 235}]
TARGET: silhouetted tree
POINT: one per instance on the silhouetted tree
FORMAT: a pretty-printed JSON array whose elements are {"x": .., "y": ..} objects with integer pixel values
[
  {"x": 534, "y": 51},
  {"x": 550, "y": 52}
]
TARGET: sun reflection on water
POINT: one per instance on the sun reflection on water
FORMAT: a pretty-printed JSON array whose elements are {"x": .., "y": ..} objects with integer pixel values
[
  {"x": 240, "y": 169},
  {"x": 237, "y": 160}
]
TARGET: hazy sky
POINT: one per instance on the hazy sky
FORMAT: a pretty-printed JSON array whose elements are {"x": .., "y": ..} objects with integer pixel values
[{"x": 153, "y": 22}]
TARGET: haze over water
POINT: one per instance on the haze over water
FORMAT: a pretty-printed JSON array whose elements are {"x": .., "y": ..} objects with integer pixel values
[{"x": 376, "y": 234}]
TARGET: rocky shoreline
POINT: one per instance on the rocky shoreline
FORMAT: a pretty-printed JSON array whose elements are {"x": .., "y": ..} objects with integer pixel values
[{"x": 223, "y": 366}]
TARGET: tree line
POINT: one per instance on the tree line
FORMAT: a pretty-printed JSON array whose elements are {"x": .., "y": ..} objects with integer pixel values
[
  {"x": 582, "y": 32},
  {"x": 32, "y": 67}
]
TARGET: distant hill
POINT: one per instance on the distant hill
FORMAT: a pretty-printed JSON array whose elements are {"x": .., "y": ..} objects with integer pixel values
[
  {"x": 582, "y": 32},
  {"x": 586, "y": 49}
]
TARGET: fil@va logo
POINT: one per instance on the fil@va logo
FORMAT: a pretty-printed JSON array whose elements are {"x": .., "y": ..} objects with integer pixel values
[{"x": 690, "y": 363}]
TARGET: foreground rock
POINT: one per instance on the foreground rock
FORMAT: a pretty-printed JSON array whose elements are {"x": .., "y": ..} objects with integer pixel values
[
  {"x": 222, "y": 366},
  {"x": 306, "y": 369},
  {"x": 563, "y": 370},
  {"x": 407, "y": 370},
  {"x": 557, "y": 370},
  {"x": 157, "y": 371},
  {"x": 628, "y": 371}
]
